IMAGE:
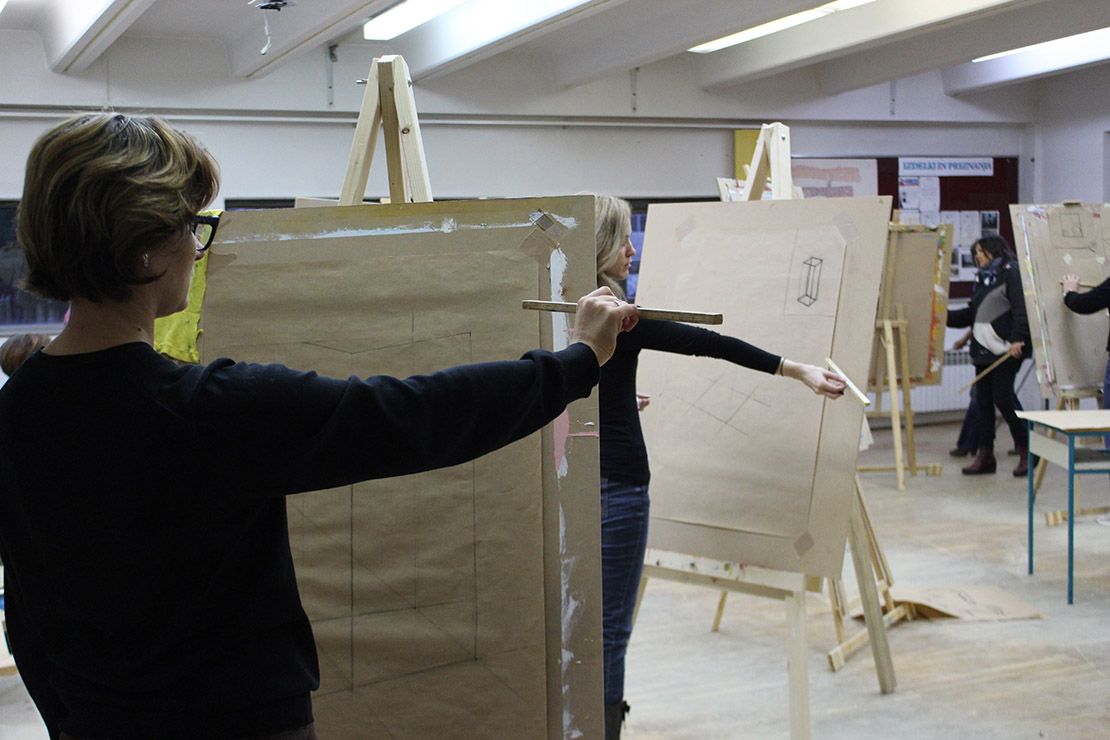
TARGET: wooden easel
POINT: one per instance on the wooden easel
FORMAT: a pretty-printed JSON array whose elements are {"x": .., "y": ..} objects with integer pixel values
[
  {"x": 388, "y": 104},
  {"x": 1069, "y": 402},
  {"x": 771, "y": 159},
  {"x": 896, "y": 370},
  {"x": 842, "y": 608}
]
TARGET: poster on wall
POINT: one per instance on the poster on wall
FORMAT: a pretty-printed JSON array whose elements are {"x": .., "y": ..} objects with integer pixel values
[{"x": 836, "y": 178}]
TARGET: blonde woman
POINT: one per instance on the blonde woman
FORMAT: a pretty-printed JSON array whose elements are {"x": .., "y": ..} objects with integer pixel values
[{"x": 624, "y": 461}]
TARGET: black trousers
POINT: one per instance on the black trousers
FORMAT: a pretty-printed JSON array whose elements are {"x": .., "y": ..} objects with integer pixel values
[{"x": 996, "y": 390}]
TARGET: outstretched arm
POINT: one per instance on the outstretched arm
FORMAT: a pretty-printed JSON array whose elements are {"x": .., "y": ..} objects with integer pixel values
[
  {"x": 819, "y": 380},
  {"x": 669, "y": 336}
]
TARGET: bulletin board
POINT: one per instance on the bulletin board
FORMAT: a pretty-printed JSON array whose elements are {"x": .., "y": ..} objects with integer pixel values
[{"x": 989, "y": 196}]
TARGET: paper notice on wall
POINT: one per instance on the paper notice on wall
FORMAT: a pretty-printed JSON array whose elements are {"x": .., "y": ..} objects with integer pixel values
[
  {"x": 930, "y": 193},
  {"x": 909, "y": 217},
  {"x": 988, "y": 223},
  {"x": 909, "y": 193},
  {"x": 970, "y": 229},
  {"x": 930, "y": 218},
  {"x": 952, "y": 218}
]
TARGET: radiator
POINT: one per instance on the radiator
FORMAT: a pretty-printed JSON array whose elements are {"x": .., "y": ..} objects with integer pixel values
[{"x": 958, "y": 372}]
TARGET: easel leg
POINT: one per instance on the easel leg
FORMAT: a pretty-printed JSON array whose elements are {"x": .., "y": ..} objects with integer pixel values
[
  {"x": 720, "y": 612},
  {"x": 839, "y": 604},
  {"x": 865, "y": 577},
  {"x": 895, "y": 416},
  {"x": 907, "y": 405},
  {"x": 797, "y": 666}
]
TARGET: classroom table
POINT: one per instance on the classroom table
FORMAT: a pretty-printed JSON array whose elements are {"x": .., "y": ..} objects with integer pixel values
[{"x": 1067, "y": 425}]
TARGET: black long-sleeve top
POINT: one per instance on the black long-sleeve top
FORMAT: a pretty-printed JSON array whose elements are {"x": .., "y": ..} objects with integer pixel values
[
  {"x": 1095, "y": 299},
  {"x": 623, "y": 452},
  {"x": 997, "y": 309},
  {"x": 150, "y": 585}
]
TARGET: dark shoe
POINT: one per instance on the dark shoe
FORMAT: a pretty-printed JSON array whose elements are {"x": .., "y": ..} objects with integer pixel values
[
  {"x": 959, "y": 452},
  {"x": 1022, "y": 468},
  {"x": 614, "y": 718},
  {"x": 983, "y": 463}
]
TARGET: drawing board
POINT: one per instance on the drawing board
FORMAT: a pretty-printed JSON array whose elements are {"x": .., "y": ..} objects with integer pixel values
[
  {"x": 1052, "y": 241},
  {"x": 749, "y": 467},
  {"x": 915, "y": 277},
  {"x": 458, "y": 603}
]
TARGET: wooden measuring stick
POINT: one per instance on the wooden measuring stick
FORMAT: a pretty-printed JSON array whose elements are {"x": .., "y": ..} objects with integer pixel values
[
  {"x": 983, "y": 374},
  {"x": 663, "y": 314},
  {"x": 848, "y": 382}
]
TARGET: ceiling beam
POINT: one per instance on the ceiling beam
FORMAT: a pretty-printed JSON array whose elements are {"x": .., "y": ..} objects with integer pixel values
[
  {"x": 1021, "y": 26},
  {"x": 479, "y": 29},
  {"x": 622, "y": 42},
  {"x": 298, "y": 29},
  {"x": 74, "y": 35},
  {"x": 838, "y": 34},
  {"x": 1064, "y": 56}
]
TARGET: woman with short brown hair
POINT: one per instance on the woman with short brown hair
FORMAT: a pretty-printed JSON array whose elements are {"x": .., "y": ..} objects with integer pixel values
[{"x": 150, "y": 589}]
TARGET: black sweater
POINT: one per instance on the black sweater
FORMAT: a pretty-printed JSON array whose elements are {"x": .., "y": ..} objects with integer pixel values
[
  {"x": 998, "y": 306},
  {"x": 150, "y": 586},
  {"x": 1095, "y": 299},
  {"x": 623, "y": 453}
]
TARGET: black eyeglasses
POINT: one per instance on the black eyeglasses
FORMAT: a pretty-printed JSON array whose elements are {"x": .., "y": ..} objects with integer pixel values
[{"x": 204, "y": 229}]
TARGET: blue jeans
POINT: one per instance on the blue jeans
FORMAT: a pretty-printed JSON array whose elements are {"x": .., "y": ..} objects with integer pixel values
[
  {"x": 624, "y": 527},
  {"x": 1106, "y": 386}
]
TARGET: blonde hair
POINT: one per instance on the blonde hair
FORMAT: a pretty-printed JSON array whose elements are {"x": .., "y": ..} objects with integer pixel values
[
  {"x": 18, "y": 348},
  {"x": 611, "y": 217},
  {"x": 102, "y": 189}
]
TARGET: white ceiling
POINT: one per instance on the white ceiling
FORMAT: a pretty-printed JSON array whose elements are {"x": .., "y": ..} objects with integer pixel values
[{"x": 885, "y": 40}]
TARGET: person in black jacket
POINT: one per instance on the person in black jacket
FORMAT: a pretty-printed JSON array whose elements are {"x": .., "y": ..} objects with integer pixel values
[
  {"x": 624, "y": 460},
  {"x": 150, "y": 587},
  {"x": 1000, "y": 327},
  {"x": 1095, "y": 299}
]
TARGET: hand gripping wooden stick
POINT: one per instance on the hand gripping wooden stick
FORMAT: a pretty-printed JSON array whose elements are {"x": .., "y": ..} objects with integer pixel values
[
  {"x": 663, "y": 314},
  {"x": 848, "y": 382}
]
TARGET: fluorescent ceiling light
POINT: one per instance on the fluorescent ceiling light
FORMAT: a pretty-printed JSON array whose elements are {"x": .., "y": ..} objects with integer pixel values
[
  {"x": 1044, "y": 46},
  {"x": 780, "y": 24},
  {"x": 405, "y": 17}
]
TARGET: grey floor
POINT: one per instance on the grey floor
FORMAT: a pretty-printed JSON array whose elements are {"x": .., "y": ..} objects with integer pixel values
[{"x": 1043, "y": 678}]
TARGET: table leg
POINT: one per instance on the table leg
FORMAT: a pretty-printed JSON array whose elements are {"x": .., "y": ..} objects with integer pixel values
[
  {"x": 1029, "y": 479},
  {"x": 1071, "y": 511}
]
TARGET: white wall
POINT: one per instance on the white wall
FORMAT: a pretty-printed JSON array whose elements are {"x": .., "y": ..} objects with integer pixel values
[
  {"x": 499, "y": 128},
  {"x": 1074, "y": 118},
  {"x": 502, "y": 128}
]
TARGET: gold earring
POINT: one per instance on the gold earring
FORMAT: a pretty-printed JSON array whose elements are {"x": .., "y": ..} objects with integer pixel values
[{"x": 146, "y": 259}]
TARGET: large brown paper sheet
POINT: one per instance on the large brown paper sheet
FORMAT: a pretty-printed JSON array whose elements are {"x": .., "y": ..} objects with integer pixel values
[
  {"x": 459, "y": 603},
  {"x": 915, "y": 276},
  {"x": 1052, "y": 241},
  {"x": 749, "y": 467}
]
